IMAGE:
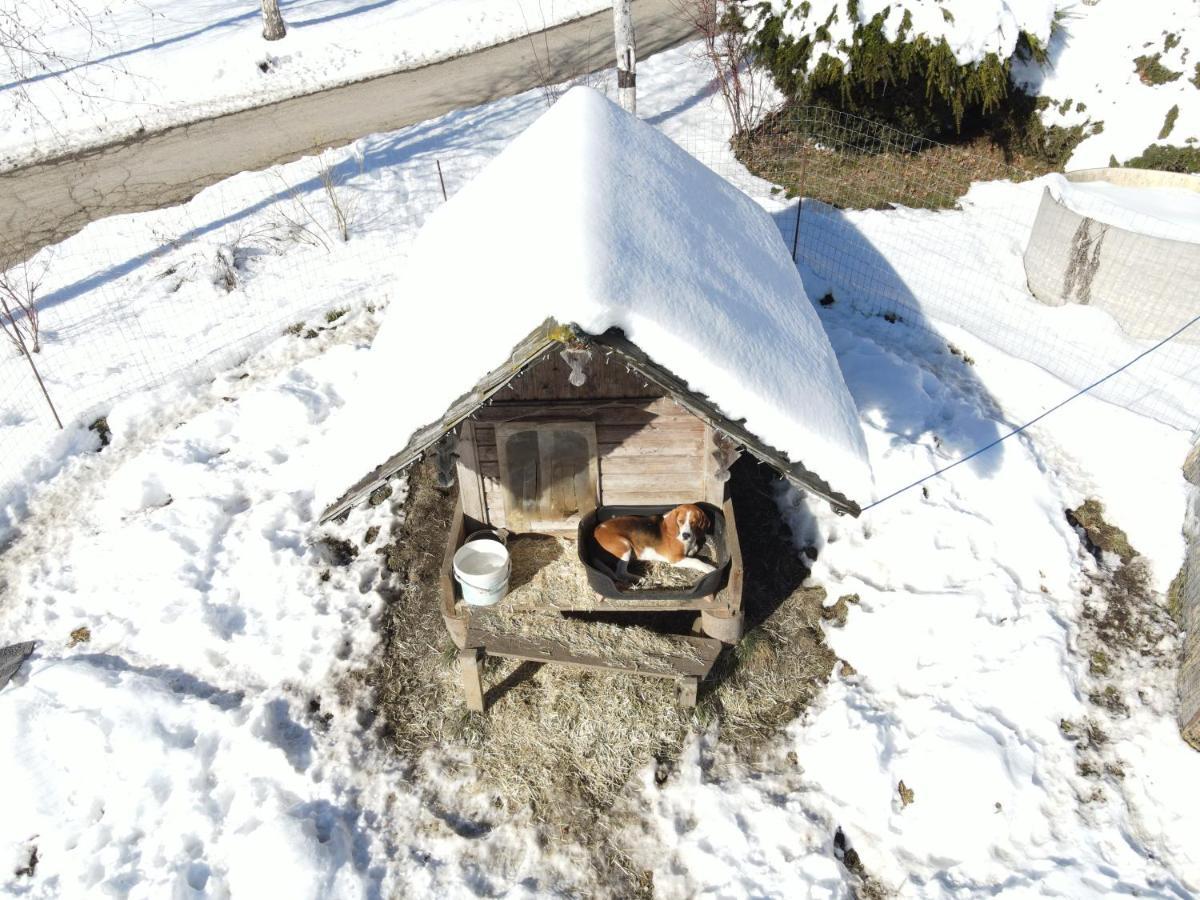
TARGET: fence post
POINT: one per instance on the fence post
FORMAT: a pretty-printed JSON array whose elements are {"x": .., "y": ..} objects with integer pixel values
[
  {"x": 19, "y": 339},
  {"x": 800, "y": 194}
]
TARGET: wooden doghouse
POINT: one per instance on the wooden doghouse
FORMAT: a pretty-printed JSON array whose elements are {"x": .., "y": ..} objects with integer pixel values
[
  {"x": 553, "y": 422},
  {"x": 569, "y": 422}
]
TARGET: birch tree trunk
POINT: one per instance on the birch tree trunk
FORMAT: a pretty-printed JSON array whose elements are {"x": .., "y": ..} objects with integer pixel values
[
  {"x": 626, "y": 56},
  {"x": 273, "y": 27}
]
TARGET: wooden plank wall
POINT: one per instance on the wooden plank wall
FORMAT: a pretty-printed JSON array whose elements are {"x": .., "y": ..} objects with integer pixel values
[
  {"x": 547, "y": 379},
  {"x": 651, "y": 451}
]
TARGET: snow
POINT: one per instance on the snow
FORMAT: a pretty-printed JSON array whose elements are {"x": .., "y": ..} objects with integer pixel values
[
  {"x": 178, "y": 751},
  {"x": 1092, "y": 78},
  {"x": 972, "y": 29},
  {"x": 129, "y": 65},
  {"x": 594, "y": 218},
  {"x": 1166, "y": 212}
]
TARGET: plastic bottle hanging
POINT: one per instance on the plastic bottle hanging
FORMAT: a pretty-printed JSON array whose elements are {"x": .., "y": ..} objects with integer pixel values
[{"x": 577, "y": 359}]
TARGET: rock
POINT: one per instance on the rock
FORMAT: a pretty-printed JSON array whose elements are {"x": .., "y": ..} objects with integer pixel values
[{"x": 380, "y": 494}]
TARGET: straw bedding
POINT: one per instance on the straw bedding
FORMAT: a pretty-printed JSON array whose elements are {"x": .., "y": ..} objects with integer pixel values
[{"x": 561, "y": 744}]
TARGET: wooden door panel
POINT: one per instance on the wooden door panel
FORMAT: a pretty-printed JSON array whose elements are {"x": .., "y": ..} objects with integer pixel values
[{"x": 548, "y": 472}]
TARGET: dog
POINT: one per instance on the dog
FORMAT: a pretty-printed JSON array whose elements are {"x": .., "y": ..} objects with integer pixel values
[{"x": 673, "y": 538}]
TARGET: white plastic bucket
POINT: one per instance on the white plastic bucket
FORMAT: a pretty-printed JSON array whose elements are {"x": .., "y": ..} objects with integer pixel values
[{"x": 482, "y": 568}]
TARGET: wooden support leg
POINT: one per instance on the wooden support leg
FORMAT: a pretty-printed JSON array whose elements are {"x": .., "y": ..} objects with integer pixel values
[
  {"x": 725, "y": 627},
  {"x": 457, "y": 626},
  {"x": 686, "y": 689},
  {"x": 472, "y": 684}
]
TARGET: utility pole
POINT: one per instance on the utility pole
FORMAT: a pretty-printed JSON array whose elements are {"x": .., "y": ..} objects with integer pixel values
[{"x": 626, "y": 56}]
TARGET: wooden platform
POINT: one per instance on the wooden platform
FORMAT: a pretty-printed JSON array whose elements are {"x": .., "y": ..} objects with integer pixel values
[
  {"x": 720, "y": 616},
  {"x": 688, "y": 670}
]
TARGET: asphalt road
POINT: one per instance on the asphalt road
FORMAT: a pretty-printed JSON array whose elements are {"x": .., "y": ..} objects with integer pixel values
[{"x": 46, "y": 202}]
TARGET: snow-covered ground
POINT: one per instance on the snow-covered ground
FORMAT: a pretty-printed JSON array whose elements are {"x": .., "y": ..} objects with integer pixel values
[
  {"x": 1093, "y": 80},
  {"x": 116, "y": 67},
  {"x": 197, "y": 743},
  {"x": 1165, "y": 212}
]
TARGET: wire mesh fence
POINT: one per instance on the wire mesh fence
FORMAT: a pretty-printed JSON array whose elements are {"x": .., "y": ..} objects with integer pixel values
[
  {"x": 934, "y": 235},
  {"x": 894, "y": 225}
]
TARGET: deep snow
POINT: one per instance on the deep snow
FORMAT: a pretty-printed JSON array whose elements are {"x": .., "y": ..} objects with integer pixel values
[
  {"x": 180, "y": 746},
  {"x": 596, "y": 219}
]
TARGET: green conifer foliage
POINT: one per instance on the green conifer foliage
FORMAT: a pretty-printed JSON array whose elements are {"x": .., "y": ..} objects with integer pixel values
[{"x": 912, "y": 82}]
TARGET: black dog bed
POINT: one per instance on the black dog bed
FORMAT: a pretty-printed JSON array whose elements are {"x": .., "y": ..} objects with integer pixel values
[{"x": 601, "y": 566}]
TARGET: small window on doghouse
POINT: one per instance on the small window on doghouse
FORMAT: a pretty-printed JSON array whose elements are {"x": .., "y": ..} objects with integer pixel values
[{"x": 548, "y": 472}]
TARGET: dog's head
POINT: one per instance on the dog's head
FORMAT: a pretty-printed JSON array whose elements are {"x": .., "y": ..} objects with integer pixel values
[{"x": 689, "y": 523}]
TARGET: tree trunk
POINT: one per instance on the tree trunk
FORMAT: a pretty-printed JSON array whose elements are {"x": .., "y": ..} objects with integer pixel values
[
  {"x": 273, "y": 27},
  {"x": 626, "y": 56}
]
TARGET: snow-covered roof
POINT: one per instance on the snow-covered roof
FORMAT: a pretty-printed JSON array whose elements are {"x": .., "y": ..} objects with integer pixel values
[{"x": 593, "y": 218}]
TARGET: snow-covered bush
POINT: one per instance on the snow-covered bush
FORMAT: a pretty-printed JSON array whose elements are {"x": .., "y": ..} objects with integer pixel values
[{"x": 928, "y": 67}]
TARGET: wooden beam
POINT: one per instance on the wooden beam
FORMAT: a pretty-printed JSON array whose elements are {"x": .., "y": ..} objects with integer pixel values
[
  {"x": 730, "y": 596},
  {"x": 686, "y": 690},
  {"x": 472, "y": 682},
  {"x": 470, "y": 475},
  {"x": 455, "y": 624},
  {"x": 696, "y": 663}
]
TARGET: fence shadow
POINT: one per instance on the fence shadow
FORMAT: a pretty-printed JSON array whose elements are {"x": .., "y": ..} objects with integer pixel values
[{"x": 942, "y": 396}]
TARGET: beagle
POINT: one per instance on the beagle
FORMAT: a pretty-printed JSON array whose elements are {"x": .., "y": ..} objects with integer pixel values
[{"x": 673, "y": 538}]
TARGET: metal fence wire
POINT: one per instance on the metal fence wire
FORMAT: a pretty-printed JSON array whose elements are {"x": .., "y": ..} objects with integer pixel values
[
  {"x": 935, "y": 235},
  {"x": 893, "y": 224}
]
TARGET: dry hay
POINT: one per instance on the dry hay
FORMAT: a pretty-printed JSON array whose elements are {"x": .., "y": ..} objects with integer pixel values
[
  {"x": 546, "y": 569},
  {"x": 629, "y": 645},
  {"x": 661, "y": 576},
  {"x": 562, "y": 742}
]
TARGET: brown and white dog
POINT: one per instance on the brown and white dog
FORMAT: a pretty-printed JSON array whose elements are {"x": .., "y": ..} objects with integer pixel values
[{"x": 673, "y": 538}]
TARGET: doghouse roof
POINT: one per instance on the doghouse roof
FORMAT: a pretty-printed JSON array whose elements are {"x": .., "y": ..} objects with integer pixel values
[{"x": 593, "y": 218}]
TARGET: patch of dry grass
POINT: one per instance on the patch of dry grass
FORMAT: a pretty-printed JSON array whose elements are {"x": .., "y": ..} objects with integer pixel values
[
  {"x": 564, "y": 743},
  {"x": 862, "y": 171}
]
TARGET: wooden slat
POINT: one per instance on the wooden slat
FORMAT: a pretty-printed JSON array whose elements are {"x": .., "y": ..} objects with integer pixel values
[
  {"x": 659, "y": 464},
  {"x": 547, "y": 379},
  {"x": 688, "y": 483},
  {"x": 650, "y": 498},
  {"x": 670, "y": 467},
  {"x": 592, "y": 602},
  {"x": 654, "y": 445},
  {"x": 688, "y": 432},
  {"x": 455, "y": 625},
  {"x": 731, "y": 594},
  {"x": 518, "y": 450},
  {"x": 548, "y": 651},
  {"x": 616, "y": 411},
  {"x": 468, "y": 673},
  {"x": 470, "y": 475},
  {"x": 714, "y": 489}
]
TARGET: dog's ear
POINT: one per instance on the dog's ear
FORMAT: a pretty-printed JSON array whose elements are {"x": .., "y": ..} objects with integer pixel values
[
  {"x": 671, "y": 521},
  {"x": 702, "y": 520}
]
